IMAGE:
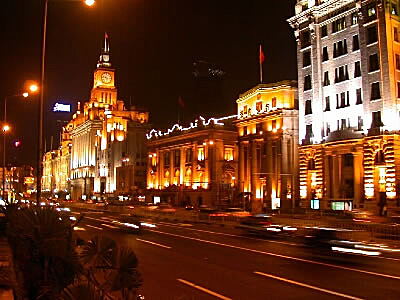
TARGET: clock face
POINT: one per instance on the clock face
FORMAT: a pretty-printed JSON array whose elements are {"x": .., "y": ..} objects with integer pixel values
[{"x": 106, "y": 77}]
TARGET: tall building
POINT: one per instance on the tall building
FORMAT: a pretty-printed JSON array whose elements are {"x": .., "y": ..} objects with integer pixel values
[
  {"x": 348, "y": 55},
  {"x": 267, "y": 124},
  {"x": 106, "y": 136},
  {"x": 194, "y": 165}
]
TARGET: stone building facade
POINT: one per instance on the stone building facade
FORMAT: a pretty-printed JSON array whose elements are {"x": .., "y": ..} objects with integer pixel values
[
  {"x": 195, "y": 165},
  {"x": 267, "y": 124},
  {"x": 348, "y": 54}
]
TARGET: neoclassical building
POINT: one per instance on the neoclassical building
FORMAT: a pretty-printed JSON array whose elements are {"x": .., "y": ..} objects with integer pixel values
[
  {"x": 348, "y": 54},
  {"x": 197, "y": 164},
  {"x": 104, "y": 143},
  {"x": 267, "y": 124}
]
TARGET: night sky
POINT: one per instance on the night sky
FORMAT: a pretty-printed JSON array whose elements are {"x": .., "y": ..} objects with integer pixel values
[{"x": 154, "y": 45}]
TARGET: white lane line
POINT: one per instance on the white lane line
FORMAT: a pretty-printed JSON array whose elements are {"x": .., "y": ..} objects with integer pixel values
[
  {"x": 75, "y": 213},
  {"x": 308, "y": 286},
  {"x": 99, "y": 228},
  {"x": 280, "y": 256},
  {"x": 203, "y": 289},
  {"x": 159, "y": 245},
  {"x": 98, "y": 220},
  {"x": 228, "y": 234},
  {"x": 109, "y": 226}
]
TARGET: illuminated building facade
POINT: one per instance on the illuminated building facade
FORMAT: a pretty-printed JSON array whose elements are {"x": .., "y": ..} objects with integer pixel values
[
  {"x": 106, "y": 136},
  {"x": 268, "y": 133},
  {"x": 19, "y": 181},
  {"x": 195, "y": 165},
  {"x": 56, "y": 168},
  {"x": 348, "y": 55}
]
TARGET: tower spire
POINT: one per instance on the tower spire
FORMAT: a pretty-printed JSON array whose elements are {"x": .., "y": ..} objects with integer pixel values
[{"x": 104, "y": 60}]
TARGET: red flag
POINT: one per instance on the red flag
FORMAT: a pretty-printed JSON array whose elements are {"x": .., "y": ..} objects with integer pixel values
[
  {"x": 106, "y": 35},
  {"x": 180, "y": 102},
  {"x": 261, "y": 55}
]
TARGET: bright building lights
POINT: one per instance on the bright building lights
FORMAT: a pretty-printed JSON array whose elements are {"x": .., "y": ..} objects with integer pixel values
[
  {"x": 89, "y": 2},
  {"x": 33, "y": 88},
  {"x": 25, "y": 95}
]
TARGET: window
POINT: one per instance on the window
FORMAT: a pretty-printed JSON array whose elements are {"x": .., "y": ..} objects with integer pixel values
[
  {"x": 339, "y": 25},
  {"x": 259, "y": 127},
  {"x": 358, "y": 97},
  {"x": 395, "y": 34},
  {"x": 189, "y": 155},
  {"x": 324, "y": 31},
  {"x": 372, "y": 35},
  {"x": 337, "y": 101},
  {"x": 307, "y": 83},
  {"x": 375, "y": 91},
  {"x": 357, "y": 69},
  {"x": 259, "y": 106},
  {"x": 341, "y": 74},
  {"x": 348, "y": 98},
  {"x": 327, "y": 104},
  {"x": 306, "y": 58},
  {"x": 274, "y": 124},
  {"x": 339, "y": 48},
  {"x": 371, "y": 10},
  {"x": 394, "y": 9},
  {"x": 397, "y": 62},
  {"x": 343, "y": 99},
  {"x": 228, "y": 156},
  {"x": 245, "y": 130},
  {"x": 325, "y": 55},
  {"x": 360, "y": 123},
  {"x": 343, "y": 124},
  {"x": 373, "y": 62},
  {"x": 308, "y": 109},
  {"x": 376, "y": 119},
  {"x": 348, "y": 160},
  {"x": 177, "y": 158},
  {"x": 354, "y": 19},
  {"x": 398, "y": 89},
  {"x": 305, "y": 39},
  {"x": 356, "y": 43},
  {"x": 309, "y": 132},
  {"x": 326, "y": 78},
  {"x": 166, "y": 159},
  {"x": 200, "y": 154},
  {"x": 328, "y": 129},
  {"x": 273, "y": 102}
]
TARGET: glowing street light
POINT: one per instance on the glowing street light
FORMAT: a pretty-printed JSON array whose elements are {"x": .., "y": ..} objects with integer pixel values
[
  {"x": 6, "y": 128},
  {"x": 25, "y": 95},
  {"x": 89, "y": 2},
  {"x": 33, "y": 88}
]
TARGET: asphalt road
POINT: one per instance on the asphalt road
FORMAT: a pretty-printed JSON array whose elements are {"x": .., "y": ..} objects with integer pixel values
[{"x": 186, "y": 261}]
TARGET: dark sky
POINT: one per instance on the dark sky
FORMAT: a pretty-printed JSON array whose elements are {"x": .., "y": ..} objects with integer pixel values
[{"x": 154, "y": 44}]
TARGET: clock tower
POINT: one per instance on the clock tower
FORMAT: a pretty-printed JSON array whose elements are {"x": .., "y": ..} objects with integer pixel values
[{"x": 104, "y": 90}]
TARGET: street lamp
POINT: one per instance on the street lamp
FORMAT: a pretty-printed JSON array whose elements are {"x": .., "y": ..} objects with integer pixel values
[
  {"x": 33, "y": 88},
  {"x": 41, "y": 100}
]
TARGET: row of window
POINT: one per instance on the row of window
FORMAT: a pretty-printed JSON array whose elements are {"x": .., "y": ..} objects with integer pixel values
[
  {"x": 342, "y": 100},
  {"x": 344, "y": 124},
  {"x": 342, "y": 72}
]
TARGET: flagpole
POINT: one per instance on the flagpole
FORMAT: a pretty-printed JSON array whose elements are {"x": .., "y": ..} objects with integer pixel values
[
  {"x": 261, "y": 73},
  {"x": 261, "y": 61}
]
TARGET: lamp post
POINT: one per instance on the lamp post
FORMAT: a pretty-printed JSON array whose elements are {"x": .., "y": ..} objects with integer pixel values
[
  {"x": 41, "y": 98},
  {"x": 33, "y": 88}
]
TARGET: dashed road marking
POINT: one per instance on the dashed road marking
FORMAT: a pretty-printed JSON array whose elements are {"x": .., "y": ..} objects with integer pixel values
[{"x": 204, "y": 289}]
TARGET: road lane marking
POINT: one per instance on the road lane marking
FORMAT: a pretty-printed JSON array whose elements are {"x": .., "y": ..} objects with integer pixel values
[
  {"x": 159, "y": 245},
  {"x": 99, "y": 228},
  {"x": 203, "y": 289},
  {"x": 308, "y": 286},
  {"x": 109, "y": 226},
  {"x": 279, "y": 255},
  {"x": 228, "y": 234}
]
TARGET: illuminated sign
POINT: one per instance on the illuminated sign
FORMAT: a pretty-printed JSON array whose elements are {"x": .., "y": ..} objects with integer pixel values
[{"x": 62, "y": 107}]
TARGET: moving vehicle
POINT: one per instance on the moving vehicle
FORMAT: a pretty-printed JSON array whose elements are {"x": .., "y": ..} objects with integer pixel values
[{"x": 262, "y": 225}]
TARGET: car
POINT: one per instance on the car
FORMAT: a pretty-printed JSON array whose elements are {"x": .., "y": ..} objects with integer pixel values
[
  {"x": 237, "y": 212},
  {"x": 189, "y": 207},
  {"x": 129, "y": 224},
  {"x": 262, "y": 225}
]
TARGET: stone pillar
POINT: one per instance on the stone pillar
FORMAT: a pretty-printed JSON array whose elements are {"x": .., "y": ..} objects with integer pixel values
[
  {"x": 242, "y": 178},
  {"x": 358, "y": 184},
  {"x": 255, "y": 186}
]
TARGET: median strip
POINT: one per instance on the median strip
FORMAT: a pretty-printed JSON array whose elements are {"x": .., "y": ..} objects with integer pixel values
[
  {"x": 204, "y": 289},
  {"x": 308, "y": 286},
  {"x": 152, "y": 243}
]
